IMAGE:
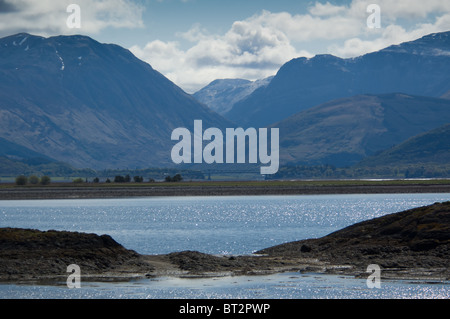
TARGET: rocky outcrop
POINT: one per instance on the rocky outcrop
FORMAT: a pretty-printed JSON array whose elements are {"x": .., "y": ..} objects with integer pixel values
[
  {"x": 410, "y": 244},
  {"x": 414, "y": 239},
  {"x": 28, "y": 254}
]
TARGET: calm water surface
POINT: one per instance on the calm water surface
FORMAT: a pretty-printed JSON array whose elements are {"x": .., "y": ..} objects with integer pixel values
[{"x": 216, "y": 225}]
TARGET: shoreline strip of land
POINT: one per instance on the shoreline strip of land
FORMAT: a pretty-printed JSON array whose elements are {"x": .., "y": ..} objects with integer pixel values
[{"x": 221, "y": 189}]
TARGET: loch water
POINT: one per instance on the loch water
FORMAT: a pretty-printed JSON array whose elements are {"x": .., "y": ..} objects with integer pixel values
[{"x": 222, "y": 225}]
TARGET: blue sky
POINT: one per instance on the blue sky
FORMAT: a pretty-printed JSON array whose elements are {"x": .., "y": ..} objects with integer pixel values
[
  {"x": 194, "y": 42},
  {"x": 164, "y": 19}
]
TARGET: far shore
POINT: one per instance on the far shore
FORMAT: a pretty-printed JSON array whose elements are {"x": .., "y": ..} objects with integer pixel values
[{"x": 86, "y": 191}]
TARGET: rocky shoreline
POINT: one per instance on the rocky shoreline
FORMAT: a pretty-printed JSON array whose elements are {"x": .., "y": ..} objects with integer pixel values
[{"x": 413, "y": 244}]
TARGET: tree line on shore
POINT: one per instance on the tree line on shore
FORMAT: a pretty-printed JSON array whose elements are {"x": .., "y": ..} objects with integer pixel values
[
  {"x": 45, "y": 180},
  {"x": 33, "y": 179},
  {"x": 136, "y": 179},
  {"x": 356, "y": 172}
]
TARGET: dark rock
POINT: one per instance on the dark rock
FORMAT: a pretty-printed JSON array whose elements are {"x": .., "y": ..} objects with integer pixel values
[
  {"x": 409, "y": 239},
  {"x": 424, "y": 245},
  {"x": 48, "y": 253},
  {"x": 305, "y": 249}
]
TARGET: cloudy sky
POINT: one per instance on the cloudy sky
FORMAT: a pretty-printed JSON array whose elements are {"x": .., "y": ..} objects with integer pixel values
[{"x": 194, "y": 42}]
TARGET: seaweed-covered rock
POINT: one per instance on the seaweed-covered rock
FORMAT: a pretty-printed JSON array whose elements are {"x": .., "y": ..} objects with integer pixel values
[
  {"x": 28, "y": 253},
  {"x": 414, "y": 238}
]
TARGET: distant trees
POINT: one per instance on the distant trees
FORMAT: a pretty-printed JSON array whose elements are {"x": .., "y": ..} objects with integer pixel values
[
  {"x": 78, "y": 180},
  {"x": 127, "y": 179},
  {"x": 119, "y": 179},
  {"x": 356, "y": 172},
  {"x": 176, "y": 178},
  {"x": 138, "y": 179},
  {"x": 45, "y": 180},
  {"x": 34, "y": 180},
  {"x": 21, "y": 180},
  {"x": 122, "y": 179}
]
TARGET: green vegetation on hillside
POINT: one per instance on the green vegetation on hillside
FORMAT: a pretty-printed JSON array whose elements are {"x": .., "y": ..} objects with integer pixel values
[
  {"x": 388, "y": 171},
  {"x": 13, "y": 167},
  {"x": 432, "y": 148}
]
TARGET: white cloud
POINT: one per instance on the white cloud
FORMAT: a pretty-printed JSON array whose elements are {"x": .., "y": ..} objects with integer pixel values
[
  {"x": 307, "y": 27},
  {"x": 327, "y": 9},
  {"x": 48, "y": 17},
  {"x": 412, "y": 9},
  {"x": 257, "y": 46},
  {"x": 250, "y": 50},
  {"x": 374, "y": 40}
]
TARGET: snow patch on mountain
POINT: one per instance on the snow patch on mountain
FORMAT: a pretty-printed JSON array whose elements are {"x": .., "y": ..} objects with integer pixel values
[
  {"x": 61, "y": 59},
  {"x": 221, "y": 95}
]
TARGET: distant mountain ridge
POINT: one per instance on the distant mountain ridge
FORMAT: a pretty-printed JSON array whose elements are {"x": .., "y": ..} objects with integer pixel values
[
  {"x": 420, "y": 67},
  {"x": 72, "y": 99},
  {"x": 432, "y": 147},
  {"x": 344, "y": 131},
  {"x": 16, "y": 151},
  {"x": 221, "y": 95},
  {"x": 89, "y": 104}
]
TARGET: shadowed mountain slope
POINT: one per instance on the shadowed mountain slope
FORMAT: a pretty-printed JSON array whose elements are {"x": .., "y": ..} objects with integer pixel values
[{"x": 90, "y": 104}]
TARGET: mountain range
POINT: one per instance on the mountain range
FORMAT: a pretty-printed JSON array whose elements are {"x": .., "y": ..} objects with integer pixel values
[
  {"x": 94, "y": 105},
  {"x": 221, "y": 95},
  {"x": 344, "y": 131},
  {"x": 420, "y": 67},
  {"x": 429, "y": 147}
]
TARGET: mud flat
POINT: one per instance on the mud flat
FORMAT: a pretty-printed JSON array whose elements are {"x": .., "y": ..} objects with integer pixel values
[{"x": 414, "y": 244}]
